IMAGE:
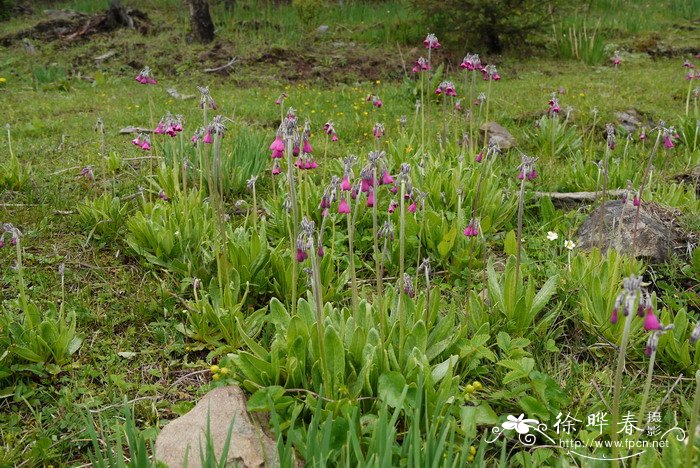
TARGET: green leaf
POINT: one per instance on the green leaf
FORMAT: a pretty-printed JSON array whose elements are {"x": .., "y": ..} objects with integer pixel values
[
  {"x": 510, "y": 244},
  {"x": 391, "y": 385}
]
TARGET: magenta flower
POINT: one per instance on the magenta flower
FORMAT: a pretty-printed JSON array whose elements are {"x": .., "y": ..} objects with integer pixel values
[
  {"x": 490, "y": 73},
  {"x": 276, "y": 168},
  {"x": 144, "y": 76},
  {"x": 367, "y": 184},
  {"x": 343, "y": 206},
  {"x": 471, "y": 62},
  {"x": 386, "y": 178},
  {"x": 472, "y": 229},
  {"x": 207, "y": 138},
  {"x": 307, "y": 147},
  {"x": 378, "y": 130},
  {"x": 668, "y": 142},
  {"x": 160, "y": 129},
  {"x": 651, "y": 322},
  {"x": 458, "y": 105},
  {"x": 392, "y": 206},
  {"x": 643, "y": 134},
  {"x": 370, "y": 199},
  {"x": 277, "y": 145},
  {"x": 163, "y": 196},
  {"x": 613, "y": 317},
  {"x": 277, "y": 154},
  {"x": 421, "y": 65},
  {"x": 688, "y": 64},
  {"x": 335, "y": 137},
  {"x": 301, "y": 255},
  {"x": 146, "y": 144},
  {"x": 412, "y": 207},
  {"x": 431, "y": 42},
  {"x": 480, "y": 156},
  {"x": 136, "y": 141},
  {"x": 635, "y": 201},
  {"x": 345, "y": 184}
]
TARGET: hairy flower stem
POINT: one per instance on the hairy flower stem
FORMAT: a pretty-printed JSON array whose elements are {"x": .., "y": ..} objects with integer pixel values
[
  {"x": 690, "y": 449},
  {"x": 20, "y": 275},
  {"x": 325, "y": 156},
  {"x": 605, "y": 191},
  {"x": 316, "y": 286},
  {"x": 486, "y": 118},
  {"x": 402, "y": 226},
  {"x": 152, "y": 123},
  {"x": 427, "y": 297},
  {"x": 687, "y": 98},
  {"x": 422, "y": 114},
  {"x": 375, "y": 235},
  {"x": 295, "y": 222},
  {"x": 255, "y": 210},
  {"x": 521, "y": 206},
  {"x": 641, "y": 188},
  {"x": 617, "y": 385},
  {"x": 9, "y": 141},
  {"x": 351, "y": 252},
  {"x": 219, "y": 204},
  {"x": 647, "y": 387},
  {"x": 444, "y": 119}
]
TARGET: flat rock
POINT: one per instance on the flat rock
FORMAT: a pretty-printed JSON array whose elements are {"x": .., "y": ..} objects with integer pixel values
[
  {"x": 658, "y": 235},
  {"x": 225, "y": 407},
  {"x": 630, "y": 120},
  {"x": 497, "y": 134}
]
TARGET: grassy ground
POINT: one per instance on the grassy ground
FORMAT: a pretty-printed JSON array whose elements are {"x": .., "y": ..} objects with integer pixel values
[{"x": 128, "y": 312}]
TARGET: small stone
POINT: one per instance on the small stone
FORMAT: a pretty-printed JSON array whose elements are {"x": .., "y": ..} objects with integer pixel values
[
  {"x": 225, "y": 407},
  {"x": 323, "y": 29},
  {"x": 497, "y": 134}
]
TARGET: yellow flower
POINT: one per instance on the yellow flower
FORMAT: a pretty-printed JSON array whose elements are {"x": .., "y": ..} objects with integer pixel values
[
  {"x": 216, "y": 377},
  {"x": 214, "y": 369},
  {"x": 472, "y": 450},
  {"x": 477, "y": 386},
  {"x": 224, "y": 370},
  {"x": 3, "y": 80},
  {"x": 378, "y": 82},
  {"x": 469, "y": 388}
]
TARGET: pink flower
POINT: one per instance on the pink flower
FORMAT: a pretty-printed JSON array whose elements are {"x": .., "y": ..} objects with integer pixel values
[
  {"x": 367, "y": 184},
  {"x": 163, "y": 196},
  {"x": 616, "y": 58},
  {"x": 412, "y": 207},
  {"x": 320, "y": 251},
  {"x": 295, "y": 151},
  {"x": 207, "y": 138},
  {"x": 343, "y": 206},
  {"x": 635, "y": 201},
  {"x": 613, "y": 317},
  {"x": 146, "y": 145},
  {"x": 386, "y": 178},
  {"x": 471, "y": 62},
  {"x": 651, "y": 322},
  {"x": 277, "y": 145},
  {"x": 160, "y": 129},
  {"x": 301, "y": 255},
  {"x": 136, "y": 141},
  {"x": 335, "y": 137},
  {"x": 392, "y": 206},
  {"x": 532, "y": 175},
  {"x": 277, "y": 154},
  {"x": 643, "y": 135},
  {"x": 687, "y": 64},
  {"x": 668, "y": 142},
  {"x": 276, "y": 168},
  {"x": 420, "y": 65},
  {"x": 458, "y": 105},
  {"x": 307, "y": 147},
  {"x": 370, "y": 199},
  {"x": 345, "y": 184},
  {"x": 480, "y": 156},
  {"x": 472, "y": 229},
  {"x": 144, "y": 76},
  {"x": 431, "y": 42}
]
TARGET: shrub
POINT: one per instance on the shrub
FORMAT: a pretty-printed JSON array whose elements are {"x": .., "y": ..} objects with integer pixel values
[{"x": 494, "y": 24}]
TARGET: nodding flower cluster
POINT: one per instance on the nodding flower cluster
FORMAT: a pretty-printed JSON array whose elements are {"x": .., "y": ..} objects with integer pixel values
[
  {"x": 386, "y": 231},
  {"x": 306, "y": 159},
  {"x": 330, "y": 130},
  {"x": 554, "y": 108},
  {"x": 480, "y": 99},
  {"x": 492, "y": 149},
  {"x": 627, "y": 299},
  {"x": 527, "y": 170},
  {"x": 446, "y": 87},
  {"x": 375, "y": 100},
  {"x": 305, "y": 239},
  {"x": 421, "y": 65},
  {"x": 87, "y": 173},
  {"x": 142, "y": 141},
  {"x": 610, "y": 136},
  {"x": 169, "y": 125},
  {"x": 616, "y": 58},
  {"x": 472, "y": 229},
  {"x": 378, "y": 130},
  {"x": 286, "y": 131},
  {"x": 669, "y": 134},
  {"x": 691, "y": 74},
  {"x": 345, "y": 185},
  {"x": 431, "y": 41},
  {"x": 471, "y": 62},
  {"x": 144, "y": 76},
  {"x": 643, "y": 134},
  {"x": 15, "y": 234},
  {"x": 408, "y": 285},
  {"x": 205, "y": 98},
  {"x": 490, "y": 73}
]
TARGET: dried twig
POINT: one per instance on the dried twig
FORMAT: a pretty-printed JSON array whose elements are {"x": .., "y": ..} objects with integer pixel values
[{"x": 231, "y": 63}]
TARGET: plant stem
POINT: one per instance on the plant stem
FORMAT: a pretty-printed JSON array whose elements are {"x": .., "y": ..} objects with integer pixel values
[
  {"x": 375, "y": 232},
  {"x": 295, "y": 221},
  {"x": 402, "y": 226},
  {"x": 20, "y": 274},
  {"x": 521, "y": 207},
  {"x": 690, "y": 449},
  {"x": 605, "y": 190},
  {"x": 617, "y": 385},
  {"x": 351, "y": 252}
]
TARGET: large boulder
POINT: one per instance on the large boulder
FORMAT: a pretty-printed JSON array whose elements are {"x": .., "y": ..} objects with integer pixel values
[
  {"x": 657, "y": 236},
  {"x": 498, "y": 134},
  {"x": 225, "y": 408}
]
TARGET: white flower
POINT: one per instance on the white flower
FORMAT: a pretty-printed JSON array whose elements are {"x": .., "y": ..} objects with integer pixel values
[
  {"x": 569, "y": 244},
  {"x": 520, "y": 424},
  {"x": 551, "y": 235}
]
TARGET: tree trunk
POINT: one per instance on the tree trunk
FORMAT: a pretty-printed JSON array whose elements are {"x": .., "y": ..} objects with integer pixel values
[{"x": 200, "y": 21}]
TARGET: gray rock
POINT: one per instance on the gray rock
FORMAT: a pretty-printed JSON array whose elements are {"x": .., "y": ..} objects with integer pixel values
[
  {"x": 498, "y": 134},
  {"x": 630, "y": 120},
  {"x": 250, "y": 446},
  {"x": 323, "y": 29},
  {"x": 657, "y": 237}
]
